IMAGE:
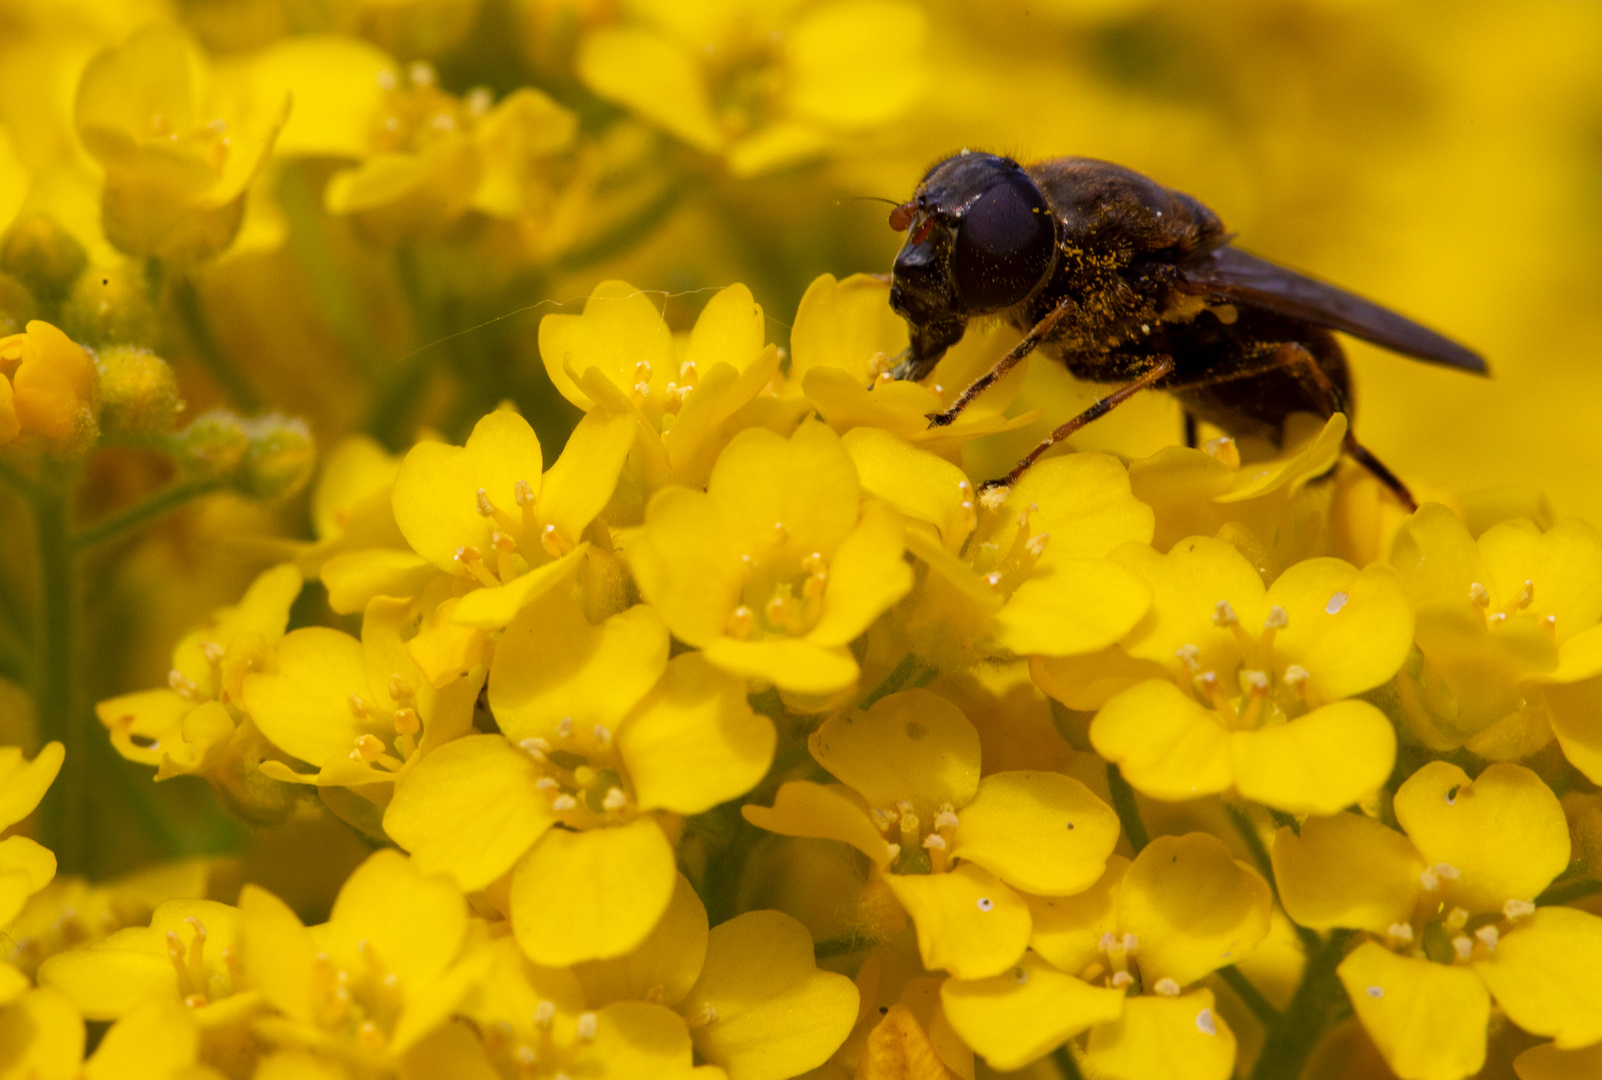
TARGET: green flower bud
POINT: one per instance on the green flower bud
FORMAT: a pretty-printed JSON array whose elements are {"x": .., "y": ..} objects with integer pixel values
[
  {"x": 44, "y": 256},
  {"x": 138, "y": 393},
  {"x": 110, "y": 306},
  {"x": 17, "y": 306},
  {"x": 213, "y": 445},
  {"x": 280, "y": 459}
]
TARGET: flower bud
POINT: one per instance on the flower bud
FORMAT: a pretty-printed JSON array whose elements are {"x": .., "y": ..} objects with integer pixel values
[
  {"x": 110, "y": 306},
  {"x": 279, "y": 459},
  {"x": 49, "y": 391},
  {"x": 138, "y": 393},
  {"x": 43, "y": 256},
  {"x": 213, "y": 445}
]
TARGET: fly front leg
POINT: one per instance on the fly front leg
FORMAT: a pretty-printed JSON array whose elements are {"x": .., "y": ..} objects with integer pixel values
[{"x": 1031, "y": 340}]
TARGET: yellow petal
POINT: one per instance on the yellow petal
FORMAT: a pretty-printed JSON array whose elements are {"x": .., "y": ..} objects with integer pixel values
[
  {"x": 1290, "y": 472},
  {"x": 1575, "y": 712},
  {"x": 619, "y": 330},
  {"x": 1347, "y": 870},
  {"x": 1067, "y": 929},
  {"x": 591, "y": 895},
  {"x": 969, "y": 923},
  {"x": 551, "y": 665},
  {"x": 912, "y": 746},
  {"x": 1192, "y": 908},
  {"x": 1071, "y": 606},
  {"x": 1179, "y": 1037},
  {"x": 790, "y": 663},
  {"x": 703, "y": 425},
  {"x": 151, "y": 1043},
  {"x": 1330, "y": 758},
  {"x": 263, "y": 610},
  {"x": 788, "y": 497},
  {"x": 641, "y": 1041},
  {"x": 13, "y": 984},
  {"x": 655, "y": 77},
  {"x": 824, "y": 811},
  {"x": 23, "y": 784},
  {"x": 730, "y": 330},
  {"x": 469, "y": 810},
  {"x": 845, "y": 403},
  {"x": 1021, "y": 1015},
  {"x": 1427, "y": 1019},
  {"x": 43, "y": 1037},
  {"x": 1504, "y": 832},
  {"x": 276, "y": 952},
  {"x": 1086, "y": 683},
  {"x": 1187, "y": 585},
  {"x": 688, "y": 565},
  {"x": 1565, "y": 563},
  {"x": 866, "y": 576},
  {"x": 580, "y": 484},
  {"x": 857, "y": 65},
  {"x": 1349, "y": 629},
  {"x": 355, "y": 577},
  {"x": 845, "y": 324},
  {"x": 334, "y": 81},
  {"x": 491, "y": 609},
  {"x": 304, "y": 707},
  {"x": 1084, "y": 504},
  {"x": 436, "y": 496},
  {"x": 694, "y": 741},
  {"x": 1040, "y": 832},
  {"x": 663, "y": 967},
  {"x": 775, "y": 1013},
  {"x": 918, "y": 484},
  {"x": 1167, "y": 745},
  {"x": 1543, "y": 974},
  {"x": 28, "y": 866},
  {"x": 450, "y": 1049}
]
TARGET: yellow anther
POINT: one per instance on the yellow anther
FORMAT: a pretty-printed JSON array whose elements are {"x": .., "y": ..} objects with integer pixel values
[
  {"x": 400, "y": 689},
  {"x": 358, "y": 707},
  {"x": 1518, "y": 909},
  {"x": 1190, "y": 656},
  {"x": 1277, "y": 618},
  {"x": 555, "y": 546},
  {"x": 523, "y": 493},
  {"x": 407, "y": 722},
  {"x": 563, "y": 803},
  {"x": 369, "y": 748},
  {"x": 615, "y": 800},
  {"x": 584, "y": 1026},
  {"x": 1526, "y": 595},
  {"x": 183, "y": 684},
  {"x": 212, "y": 651},
  {"x": 687, "y": 373},
  {"x": 1480, "y": 595},
  {"x": 1167, "y": 987},
  {"x": 564, "y": 728},
  {"x": 369, "y": 1036},
  {"x": 1224, "y": 615},
  {"x": 485, "y": 507},
  {"x": 642, "y": 371},
  {"x": 742, "y": 620},
  {"x": 992, "y": 498}
]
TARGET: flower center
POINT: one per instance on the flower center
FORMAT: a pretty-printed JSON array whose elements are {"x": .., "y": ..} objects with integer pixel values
[
  {"x": 918, "y": 845},
  {"x": 583, "y": 778}
]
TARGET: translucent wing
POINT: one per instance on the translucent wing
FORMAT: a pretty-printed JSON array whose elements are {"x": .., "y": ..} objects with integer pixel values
[{"x": 1246, "y": 279}]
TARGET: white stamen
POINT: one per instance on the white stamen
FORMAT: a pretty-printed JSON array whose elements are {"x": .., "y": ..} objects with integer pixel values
[
  {"x": 584, "y": 1027},
  {"x": 1464, "y": 946},
  {"x": 1479, "y": 594},
  {"x": 936, "y": 842},
  {"x": 1277, "y": 619},
  {"x": 1190, "y": 656},
  {"x": 485, "y": 507},
  {"x": 603, "y": 737},
  {"x": 546, "y": 784},
  {"x": 523, "y": 493},
  {"x": 563, "y": 803},
  {"x": 564, "y": 727},
  {"x": 212, "y": 651},
  {"x": 1224, "y": 615},
  {"x": 1295, "y": 675},
  {"x": 1167, "y": 987},
  {"x": 615, "y": 800},
  {"x": 1037, "y": 544},
  {"x": 991, "y": 498},
  {"x": 1335, "y": 604},
  {"x": 1254, "y": 682},
  {"x": 1490, "y": 935},
  {"x": 1121, "y": 979},
  {"x": 946, "y": 818},
  {"x": 1399, "y": 931},
  {"x": 1518, "y": 909},
  {"x": 544, "y": 1013}
]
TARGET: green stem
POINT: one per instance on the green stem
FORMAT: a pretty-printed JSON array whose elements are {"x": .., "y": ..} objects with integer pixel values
[
  {"x": 1291, "y": 1042},
  {"x": 62, "y": 819},
  {"x": 186, "y": 298},
  {"x": 1063, "y": 1058},
  {"x": 909, "y": 673},
  {"x": 13, "y": 615},
  {"x": 1260, "y": 1006},
  {"x": 1253, "y": 841},
  {"x": 163, "y": 502},
  {"x": 15, "y": 667},
  {"x": 389, "y": 416},
  {"x": 1123, "y": 798},
  {"x": 1568, "y": 891},
  {"x": 20, "y": 480}
]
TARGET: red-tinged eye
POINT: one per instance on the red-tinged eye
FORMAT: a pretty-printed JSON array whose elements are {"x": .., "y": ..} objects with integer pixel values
[
  {"x": 902, "y": 215},
  {"x": 923, "y": 231}
]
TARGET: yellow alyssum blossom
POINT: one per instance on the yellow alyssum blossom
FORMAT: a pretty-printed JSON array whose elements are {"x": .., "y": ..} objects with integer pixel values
[
  {"x": 389, "y": 967},
  {"x": 959, "y": 852},
  {"x": 1254, "y": 685},
  {"x": 688, "y": 396},
  {"x": 1033, "y": 578},
  {"x": 49, "y": 395},
  {"x": 1116, "y": 960},
  {"x": 778, "y": 565},
  {"x": 1508, "y": 627},
  {"x": 901, "y": 1025},
  {"x": 1449, "y": 907},
  {"x": 42, "y": 1035},
  {"x": 845, "y": 340},
  {"x": 193, "y": 725},
  {"x": 179, "y": 142},
  {"x": 25, "y": 865},
  {"x": 605, "y": 740},
  {"x": 764, "y": 86}
]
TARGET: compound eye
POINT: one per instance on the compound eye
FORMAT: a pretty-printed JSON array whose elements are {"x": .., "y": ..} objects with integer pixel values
[{"x": 1004, "y": 245}]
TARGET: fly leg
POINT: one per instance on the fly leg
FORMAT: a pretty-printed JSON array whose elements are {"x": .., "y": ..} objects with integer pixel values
[
  {"x": 1005, "y": 364},
  {"x": 1163, "y": 366}
]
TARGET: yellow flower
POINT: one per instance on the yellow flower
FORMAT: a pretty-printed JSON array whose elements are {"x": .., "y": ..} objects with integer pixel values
[
  {"x": 360, "y": 711},
  {"x": 179, "y": 144},
  {"x": 687, "y": 397},
  {"x": 1259, "y": 677},
  {"x": 41, "y": 1034},
  {"x": 1508, "y": 627},
  {"x": 1450, "y": 908},
  {"x": 48, "y": 390},
  {"x": 604, "y": 740},
  {"x": 389, "y": 967},
  {"x": 846, "y": 338},
  {"x": 957, "y": 851},
  {"x": 192, "y": 725},
  {"x": 25, "y": 865},
  {"x": 1034, "y": 578},
  {"x": 1147, "y": 929},
  {"x": 764, "y": 86},
  {"x": 901, "y": 1024},
  {"x": 778, "y": 565},
  {"x": 748, "y": 992}
]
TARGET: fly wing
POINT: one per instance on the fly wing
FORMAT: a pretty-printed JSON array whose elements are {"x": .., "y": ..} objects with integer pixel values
[{"x": 1246, "y": 279}]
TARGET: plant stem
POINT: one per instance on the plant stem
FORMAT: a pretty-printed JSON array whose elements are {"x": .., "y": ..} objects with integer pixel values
[
  {"x": 62, "y": 819},
  {"x": 164, "y": 501},
  {"x": 187, "y": 300},
  {"x": 909, "y": 673},
  {"x": 1123, "y": 798},
  {"x": 1265, "y": 862},
  {"x": 1260, "y": 1006},
  {"x": 1568, "y": 891},
  {"x": 1290, "y": 1043},
  {"x": 1063, "y": 1058}
]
